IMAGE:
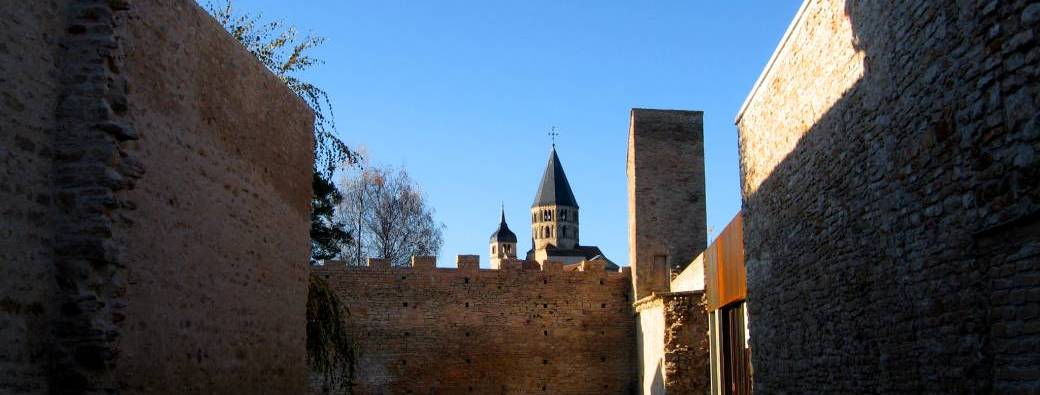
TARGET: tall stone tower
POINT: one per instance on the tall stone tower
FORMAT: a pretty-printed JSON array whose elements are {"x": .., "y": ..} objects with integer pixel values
[
  {"x": 554, "y": 213},
  {"x": 666, "y": 200},
  {"x": 503, "y": 243}
]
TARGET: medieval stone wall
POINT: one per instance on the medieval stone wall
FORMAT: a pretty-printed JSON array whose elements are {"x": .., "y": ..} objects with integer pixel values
[
  {"x": 219, "y": 243},
  {"x": 890, "y": 182},
  {"x": 672, "y": 342},
  {"x": 30, "y": 34},
  {"x": 666, "y": 197},
  {"x": 156, "y": 189},
  {"x": 427, "y": 330}
]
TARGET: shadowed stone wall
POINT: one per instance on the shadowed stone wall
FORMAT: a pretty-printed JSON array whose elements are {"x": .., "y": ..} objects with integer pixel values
[
  {"x": 891, "y": 185},
  {"x": 427, "y": 330},
  {"x": 30, "y": 33},
  {"x": 159, "y": 184}
]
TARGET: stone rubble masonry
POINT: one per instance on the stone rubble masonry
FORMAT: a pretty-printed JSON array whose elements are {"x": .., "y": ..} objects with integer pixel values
[
  {"x": 666, "y": 196},
  {"x": 673, "y": 343},
  {"x": 136, "y": 135},
  {"x": 891, "y": 186},
  {"x": 427, "y": 330}
]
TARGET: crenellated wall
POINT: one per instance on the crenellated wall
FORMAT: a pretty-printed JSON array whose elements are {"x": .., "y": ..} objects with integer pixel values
[{"x": 518, "y": 330}]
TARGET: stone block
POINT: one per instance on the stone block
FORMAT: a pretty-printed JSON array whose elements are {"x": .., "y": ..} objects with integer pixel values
[
  {"x": 378, "y": 263},
  {"x": 552, "y": 266},
  {"x": 424, "y": 262},
  {"x": 468, "y": 262}
]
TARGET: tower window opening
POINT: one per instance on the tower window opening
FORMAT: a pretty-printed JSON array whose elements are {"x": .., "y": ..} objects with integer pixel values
[{"x": 493, "y": 250}]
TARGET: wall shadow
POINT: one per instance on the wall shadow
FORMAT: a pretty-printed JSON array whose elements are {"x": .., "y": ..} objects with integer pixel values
[{"x": 862, "y": 260}]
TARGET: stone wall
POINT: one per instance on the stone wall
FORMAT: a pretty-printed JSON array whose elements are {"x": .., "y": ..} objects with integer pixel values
[
  {"x": 890, "y": 183},
  {"x": 672, "y": 338},
  {"x": 30, "y": 34},
  {"x": 227, "y": 150},
  {"x": 685, "y": 343},
  {"x": 666, "y": 199},
  {"x": 159, "y": 182},
  {"x": 512, "y": 331}
]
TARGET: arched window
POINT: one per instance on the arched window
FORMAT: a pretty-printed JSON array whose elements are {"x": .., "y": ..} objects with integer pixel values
[
  {"x": 509, "y": 247},
  {"x": 563, "y": 216},
  {"x": 493, "y": 250}
]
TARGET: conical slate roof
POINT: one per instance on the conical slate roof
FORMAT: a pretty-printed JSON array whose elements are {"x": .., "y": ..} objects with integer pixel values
[
  {"x": 503, "y": 234},
  {"x": 554, "y": 189}
]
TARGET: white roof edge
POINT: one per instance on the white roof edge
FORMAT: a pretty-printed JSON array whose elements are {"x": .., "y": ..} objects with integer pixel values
[{"x": 772, "y": 60}]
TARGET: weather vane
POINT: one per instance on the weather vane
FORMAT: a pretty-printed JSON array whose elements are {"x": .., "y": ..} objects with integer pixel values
[{"x": 553, "y": 134}]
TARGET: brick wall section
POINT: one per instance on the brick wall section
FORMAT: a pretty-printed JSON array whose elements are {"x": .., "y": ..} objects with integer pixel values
[
  {"x": 433, "y": 331},
  {"x": 218, "y": 247},
  {"x": 29, "y": 60},
  {"x": 666, "y": 209},
  {"x": 879, "y": 157}
]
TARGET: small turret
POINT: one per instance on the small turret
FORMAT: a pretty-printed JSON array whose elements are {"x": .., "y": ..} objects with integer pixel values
[{"x": 503, "y": 243}]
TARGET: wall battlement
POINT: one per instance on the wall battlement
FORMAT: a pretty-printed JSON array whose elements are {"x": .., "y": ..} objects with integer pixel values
[{"x": 471, "y": 264}]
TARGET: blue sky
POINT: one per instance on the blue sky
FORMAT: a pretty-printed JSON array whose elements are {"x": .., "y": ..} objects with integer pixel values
[{"x": 463, "y": 93}]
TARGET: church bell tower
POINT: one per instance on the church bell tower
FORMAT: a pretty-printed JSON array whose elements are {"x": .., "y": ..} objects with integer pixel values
[
  {"x": 554, "y": 213},
  {"x": 503, "y": 243}
]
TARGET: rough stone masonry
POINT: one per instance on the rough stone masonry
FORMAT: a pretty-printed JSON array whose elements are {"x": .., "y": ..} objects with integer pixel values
[
  {"x": 891, "y": 189},
  {"x": 155, "y": 181}
]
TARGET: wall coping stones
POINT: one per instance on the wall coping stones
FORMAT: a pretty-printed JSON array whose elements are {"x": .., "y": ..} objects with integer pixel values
[
  {"x": 657, "y": 299},
  {"x": 470, "y": 264}
]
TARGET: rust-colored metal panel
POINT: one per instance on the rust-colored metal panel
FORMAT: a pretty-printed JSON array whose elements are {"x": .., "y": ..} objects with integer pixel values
[{"x": 725, "y": 278}]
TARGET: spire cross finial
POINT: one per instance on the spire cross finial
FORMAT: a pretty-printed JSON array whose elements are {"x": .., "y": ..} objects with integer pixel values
[{"x": 553, "y": 135}]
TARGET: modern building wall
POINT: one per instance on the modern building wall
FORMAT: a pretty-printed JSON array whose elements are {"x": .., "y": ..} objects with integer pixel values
[
  {"x": 891, "y": 185},
  {"x": 516, "y": 331},
  {"x": 159, "y": 178}
]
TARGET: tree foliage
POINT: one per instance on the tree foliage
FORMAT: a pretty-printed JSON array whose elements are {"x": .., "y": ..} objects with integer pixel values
[
  {"x": 329, "y": 237},
  {"x": 389, "y": 216},
  {"x": 330, "y": 346},
  {"x": 284, "y": 51}
]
